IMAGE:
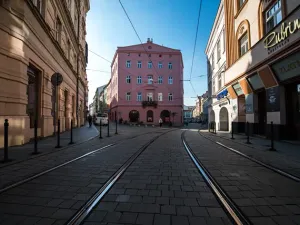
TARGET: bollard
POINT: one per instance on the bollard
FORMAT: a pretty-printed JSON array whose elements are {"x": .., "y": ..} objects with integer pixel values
[
  {"x": 58, "y": 134},
  {"x": 100, "y": 137},
  {"x": 215, "y": 126},
  {"x": 108, "y": 128},
  {"x": 232, "y": 138},
  {"x": 71, "y": 142},
  {"x": 35, "y": 151},
  {"x": 6, "y": 125},
  {"x": 209, "y": 126},
  {"x": 272, "y": 138},
  {"x": 116, "y": 126},
  {"x": 247, "y": 129}
]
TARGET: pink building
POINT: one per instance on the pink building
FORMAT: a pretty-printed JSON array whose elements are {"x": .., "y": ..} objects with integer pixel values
[{"x": 147, "y": 85}]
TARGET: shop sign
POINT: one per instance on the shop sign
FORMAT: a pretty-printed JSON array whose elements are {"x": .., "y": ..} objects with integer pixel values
[
  {"x": 273, "y": 99},
  {"x": 249, "y": 103},
  {"x": 238, "y": 89},
  {"x": 288, "y": 67},
  {"x": 286, "y": 30}
]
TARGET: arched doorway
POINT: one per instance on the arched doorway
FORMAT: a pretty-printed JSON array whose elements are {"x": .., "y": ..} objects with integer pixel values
[
  {"x": 165, "y": 116},
  {"x": 150, "y": 116},
  {"x": 134, "y": 116},
  {"x": 224, "y": 125}
]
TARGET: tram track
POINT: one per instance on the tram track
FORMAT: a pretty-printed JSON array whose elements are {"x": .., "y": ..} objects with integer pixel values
[
  {"x": 229, "y": 206},
  {"x": 259, "y": 162},
  {"x": 32, "y": 177}
]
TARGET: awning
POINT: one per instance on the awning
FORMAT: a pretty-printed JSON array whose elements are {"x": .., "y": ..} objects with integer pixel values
[{"x": 222, "y": 94}]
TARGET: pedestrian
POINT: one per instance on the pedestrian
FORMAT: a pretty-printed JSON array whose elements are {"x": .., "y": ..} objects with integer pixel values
[
  {"x": 90, "y": 118},
  {"x": 160, "y": 122}
]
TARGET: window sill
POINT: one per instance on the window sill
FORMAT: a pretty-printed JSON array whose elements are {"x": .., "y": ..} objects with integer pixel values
[{"x": 240, "y": 9}]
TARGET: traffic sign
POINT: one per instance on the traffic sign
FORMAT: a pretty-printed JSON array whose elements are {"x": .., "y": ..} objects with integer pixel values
[{"x": 56, "y": 79}]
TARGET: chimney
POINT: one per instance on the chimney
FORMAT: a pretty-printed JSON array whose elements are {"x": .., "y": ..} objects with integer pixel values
[
  {"x": 148, "y": 40},
  {"x": 151, "y": 40}
]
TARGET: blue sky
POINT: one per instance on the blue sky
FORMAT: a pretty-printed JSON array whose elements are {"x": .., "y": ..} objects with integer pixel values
[{"x": 171, "y": 23}]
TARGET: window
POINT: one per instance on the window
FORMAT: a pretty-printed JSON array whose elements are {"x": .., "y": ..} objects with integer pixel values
[
  {"x": 213, "y": 61},
  {"x": 241, "y": 3},
  {"x": 244, "y": 44},
  {"x": 139, "y": 79},
  {"x": 218, "y": 50},
  {"x": 139, "y": 97},
  {"x": 160, "y": 97},
  {"x": 128, "y": 54},
  {"x": 58, "y": 30},
  {"x": 170, "y": 96},
  {"x": 213, "y": 87},
  {"x": 220, "y": 81},
  {"x": 139, "y": 64},
  {"x": 128, "y": 96},
  {"x": 68, "y": 49},
  {"x": 150, "y": 97},
  {"x": 273, "y": 16},
  {"x": 33, "y": 95},
  {"x": 150, "y": 79},
  {"x": 170, "y": 80},
  {"x": 149, "y": 65},
  {"x": 170, "y": 66},
  {"x": 128, "y": 63},
  {"x": 160, "y": 79},
  {"x": 128, "y": 79},
  {"x": 38, "y": 4},
  {"x": 160, "y": 66}
]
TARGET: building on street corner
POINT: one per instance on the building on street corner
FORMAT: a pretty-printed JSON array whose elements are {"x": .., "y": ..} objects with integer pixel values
[
  {"x": 38, "y": 39},
  {"x": 146, "y": 84}
]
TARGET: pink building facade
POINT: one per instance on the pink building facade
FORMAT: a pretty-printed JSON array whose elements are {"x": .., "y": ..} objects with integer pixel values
[{"x": 146, "y": 84}]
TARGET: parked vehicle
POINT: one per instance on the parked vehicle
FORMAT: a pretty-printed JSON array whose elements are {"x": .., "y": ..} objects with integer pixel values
[{"x": 103, "y": 117}]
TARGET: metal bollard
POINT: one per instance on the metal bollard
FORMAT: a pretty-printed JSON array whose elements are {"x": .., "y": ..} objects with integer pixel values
[
  {"x": 108, "y": 128},
  {"x": 35, "y": 151},
  {"x": 248, "y": 138},
  {"x": 6, "y": 125},
  {"x": 100, "y": 137},
  {"x": 232, "y": 138},
  {"x": 209, "y": 126},
  {"x": 116, "y": 127},
  {"x": 272, "y": 138},
  {"x": 71, "y": 137},
  {"x": 58, "y": 134}
]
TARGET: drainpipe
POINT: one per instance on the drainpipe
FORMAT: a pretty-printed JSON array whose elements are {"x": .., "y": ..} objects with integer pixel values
[{"x": 77, "y": 82}]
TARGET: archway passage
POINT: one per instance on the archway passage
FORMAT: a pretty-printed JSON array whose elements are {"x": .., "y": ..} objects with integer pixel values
[
  {"x": 224, "y": 123},
  {"x": 165, "y": 116},
  {"x": 150, "y": 116},
  {"x": 134, "y": 116}
]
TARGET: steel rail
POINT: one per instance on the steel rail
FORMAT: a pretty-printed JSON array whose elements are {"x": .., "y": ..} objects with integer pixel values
[
  {"x": 84, "y": 212},
  {"x": 274, "y": 169},
  {"x": 230, "y": 207}
]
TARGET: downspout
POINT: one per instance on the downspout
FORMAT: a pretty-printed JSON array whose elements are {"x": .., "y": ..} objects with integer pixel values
[{"x": 77, "y": 82}]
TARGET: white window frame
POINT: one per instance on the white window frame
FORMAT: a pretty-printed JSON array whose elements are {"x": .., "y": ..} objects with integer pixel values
[
  {"x": 150, "y": 65},
  {"x": 220, "y": 81},
  {"x": 273, "y": 15},
  {"x": 170, "y": 97},
  {"x": 139, "y": 80},
  {"x": 160, "y": 97},
  {"x": 128, "y": 96},
  {"x": 160, "y": 80},
  {"x": 244, "y": 45},
  {"x": 160, "y": 65},
  {"x": 128, "y": 79},
  {"x": 139, "y": 96},
  {"x": 139, "y": 64},
  {"x": 150, "y": 79},
  {"x": 170, "y": 80},
  {"x": 128, "y": 64},
  {"x": 170, "y": 66}
]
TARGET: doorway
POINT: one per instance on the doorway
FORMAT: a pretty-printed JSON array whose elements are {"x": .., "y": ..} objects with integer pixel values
[
  {"x": 262, "y": 112},
  {"x": 134, "y": 116},
  {"x": 224, "y": 123}
]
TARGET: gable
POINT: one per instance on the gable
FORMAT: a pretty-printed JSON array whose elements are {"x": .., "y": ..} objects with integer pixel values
[{"x": 149, "y": 46}]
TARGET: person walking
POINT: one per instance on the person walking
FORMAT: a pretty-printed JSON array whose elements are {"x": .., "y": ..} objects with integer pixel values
[
  {"x": 90, "y": 118},
  {"x": 160, "y": 122}
]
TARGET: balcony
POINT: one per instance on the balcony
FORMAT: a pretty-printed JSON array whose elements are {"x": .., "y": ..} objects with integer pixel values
[{"x": 149, "y": 104}]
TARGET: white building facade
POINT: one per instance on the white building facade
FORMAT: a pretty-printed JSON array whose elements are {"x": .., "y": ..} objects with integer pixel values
[{"x": 218, "y": 102}]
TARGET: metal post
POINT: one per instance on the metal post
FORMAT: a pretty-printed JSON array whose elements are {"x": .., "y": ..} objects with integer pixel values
[
  {"x": 232, "y": 138},
  {"x": 248, "y": 138},
  {"x": 100, "y": 137},
  {"x": 108, "y": 128},
  {"x": 215, "y": 127},
  {"x": 35, "y": 151},
  {"x": 116, "y": 124},
  {"x": 272, "y": 138},
  {"x": 6, "y": 125},
  {"x": 58, "y": 134},
  {"x": 71, "y": 142}
]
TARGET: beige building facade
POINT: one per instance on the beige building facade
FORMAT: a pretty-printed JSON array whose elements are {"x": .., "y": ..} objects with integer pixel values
[{"x": 37, "y": 39}]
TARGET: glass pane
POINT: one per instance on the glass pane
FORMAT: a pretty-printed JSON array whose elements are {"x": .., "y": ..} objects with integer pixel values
[
  {"x": 256, "y": 82},
  {"x": 278, "y": 17}
]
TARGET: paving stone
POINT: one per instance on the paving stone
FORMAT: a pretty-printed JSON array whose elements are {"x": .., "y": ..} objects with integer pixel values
[
  {"x": 197, "y": 220},
  {"x": 190, "y": 202},
  {"x": 123, "y": 198},
  {"x": 199, "y": 211},
  {"x": 216, "y": 212},
  {"x": 184, "y": 211},
  {"x": 176, "y": 201},
  {"x": 135, "y": 199},
  {"x": 168, "y": 209},
  {"x": 147, "y": 199},
  {"x": 63, "y": 214},
  {"x": 162, "y": 219},
  {"x": 162, "y": 200},
  {"x": 214, "y": 221},
  {"x": 45, "y": 221},
  {"x": 266, "y": 211},
  {"x": 250, "y": 211},
  {"x": 284, "y": 220},
  {"x": 30, "y": 221},
  {"x": 281, "y": 210},
  {"x": 55, "y": 202},
  {"x": 180, "y": 194},
  {"x": 166, "y": 193},
  {"x": 123, "y": 207},
  {"x": 112, "y": 217},
  {"x": 180, "y": 220},
  {"x": 47, "y": 212},
  {"x": 208, "y": 202},
  {"x": 262, "y": 221},
  {"x": 106, "y": 206},
  {"x": 145, "y": 219},
  {"x": 155, "y": 193},
  {"x": 293, "y": 208},
  {"x": 67, "y": 204},
  {"x": 244, "y": 202},
  {"x": 128, "y": 217},
  {"x": 96, "y": 216}
]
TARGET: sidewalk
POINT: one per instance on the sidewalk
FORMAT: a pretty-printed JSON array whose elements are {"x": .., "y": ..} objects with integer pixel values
[
  {"x": 46, "y": 145},
  {"x": 286, "y": 157}
]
